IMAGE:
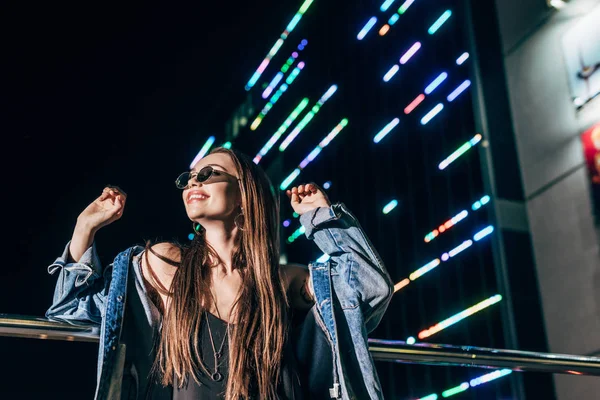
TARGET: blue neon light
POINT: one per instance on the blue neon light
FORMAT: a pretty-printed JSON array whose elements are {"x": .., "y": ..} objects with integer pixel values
[
  {"x": 436, "y": 82},
  {"x": 461, "y": 88},
  {"x": 363, "y": 32}
]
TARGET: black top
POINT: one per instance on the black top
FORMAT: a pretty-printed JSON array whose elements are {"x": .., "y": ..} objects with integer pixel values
[
  {"x": 213, "y": 386},
  {"x": 306, "y": 358}
]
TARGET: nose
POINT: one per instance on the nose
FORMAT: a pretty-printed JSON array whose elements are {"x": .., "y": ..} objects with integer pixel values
[{"x": 193, "y": 181}]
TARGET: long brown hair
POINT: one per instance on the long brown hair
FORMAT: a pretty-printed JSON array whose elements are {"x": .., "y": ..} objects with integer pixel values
[{"x": 259, "y": 332}]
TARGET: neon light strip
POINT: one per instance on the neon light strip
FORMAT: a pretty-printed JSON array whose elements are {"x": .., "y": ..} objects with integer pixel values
[
  {"x": 460, "y": 151},
  {"x": 411, "y": 52},
  {"x": 384, "y": 29},
  {"x": 390, "y": 206},
  {"x": 460, "y": 316},
  {"x": 463, "y": 57},
  {"x": 396, "y": 16},
  {"x": 284, "y": 68},
  {"x": 440, "y": 21},
  {"x": 392, "y": 71},
  {"x": 432, "y": 396},
  {"x": 436, "y": 82},
  {"x": 284, "y": 86},
  {"x": 203, "y": 151},
  {"x": 424, "y": 269},
  {"x": 368, "y": 26},
  {"x": 297, "y": 233},
  {"x": 382, "y": 133},
  {"x": 483, "y": 233},
  {"x": 290, "y": 79},
  {"x": 489, "y": 377},
  {"x": 286, "y": 124},
  {"x": 226, "y": 145},
  {"x": 481, "y": 202},
  {"x": 434, "y": 111},
  {"x": 386, "y": 4},
  {"x": 473, "y": 383},
  {"x": 459, "y": 249},
  {"x": 446, "y": 256},
  {"x": 456, "y": 219},
  {"x": 430, "y": 88},
  {"x": 263, "y": 65},
  {"x": 313, "y": 154},
  {"x": 401, "y": 284},
  {"x": 287, "y": 181},
  {"x": 461, "y": 88},
  {"x": 455, "y": 390},
  {"x": 405, "y": 6},
  {"x": 307, "y": 118},
  {"x": 278, "y": 77},
  {"x": 446, "y": 225},
  {"x": 413, "y": 104}
]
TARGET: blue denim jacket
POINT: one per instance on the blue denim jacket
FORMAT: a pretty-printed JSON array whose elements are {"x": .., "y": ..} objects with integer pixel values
[{"x": 352, "y": 291}]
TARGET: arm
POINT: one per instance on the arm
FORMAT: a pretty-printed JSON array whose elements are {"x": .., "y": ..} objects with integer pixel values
[
  {"x": 337, "y": 232},
  {"x": 81, "y": 287}
]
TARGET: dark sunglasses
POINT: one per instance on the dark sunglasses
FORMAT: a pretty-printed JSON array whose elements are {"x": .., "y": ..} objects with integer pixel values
[{"x": 201, "y": 176}]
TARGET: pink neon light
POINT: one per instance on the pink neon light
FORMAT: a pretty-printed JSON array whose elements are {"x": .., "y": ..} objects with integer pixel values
[{"x": 409, "y": 108}]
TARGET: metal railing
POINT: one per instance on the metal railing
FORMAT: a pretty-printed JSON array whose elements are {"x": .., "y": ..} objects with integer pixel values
[{"x": 382, "y": 350}]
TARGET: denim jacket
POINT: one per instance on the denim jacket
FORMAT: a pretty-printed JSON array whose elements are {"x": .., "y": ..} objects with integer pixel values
[{"x": 352, "y": 292}]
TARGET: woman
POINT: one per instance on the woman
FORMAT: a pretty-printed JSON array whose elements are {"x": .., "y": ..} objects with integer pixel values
[{"x": 220, "y": 318}]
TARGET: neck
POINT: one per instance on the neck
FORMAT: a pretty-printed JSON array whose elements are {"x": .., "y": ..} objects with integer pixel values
[{"x": 221, "y": 237}]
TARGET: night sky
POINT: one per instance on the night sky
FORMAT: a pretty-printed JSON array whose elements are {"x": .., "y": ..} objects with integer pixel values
[{"x": 127, "y": 94}]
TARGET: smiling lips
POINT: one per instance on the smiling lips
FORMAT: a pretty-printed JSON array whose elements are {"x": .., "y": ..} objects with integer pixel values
[{"x": 196, "y": 196}]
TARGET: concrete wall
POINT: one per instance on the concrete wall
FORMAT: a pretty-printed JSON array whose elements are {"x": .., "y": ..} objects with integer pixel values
[{"x": 559, "y": 206}]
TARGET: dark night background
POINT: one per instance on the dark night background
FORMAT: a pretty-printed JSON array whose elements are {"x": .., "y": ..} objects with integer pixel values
[{"x": 127, "y": 94}]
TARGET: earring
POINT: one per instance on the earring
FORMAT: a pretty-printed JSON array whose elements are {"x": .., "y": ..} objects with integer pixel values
[
  {"x": 197, "y": 228},
  {"x": 235, "y": 220}
]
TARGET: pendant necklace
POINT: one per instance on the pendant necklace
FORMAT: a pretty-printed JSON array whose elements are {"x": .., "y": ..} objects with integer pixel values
[{"x": 216, "y": 375}]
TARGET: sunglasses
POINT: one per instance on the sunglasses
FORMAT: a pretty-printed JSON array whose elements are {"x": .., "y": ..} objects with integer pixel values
[{"x": 201, "y": 176}]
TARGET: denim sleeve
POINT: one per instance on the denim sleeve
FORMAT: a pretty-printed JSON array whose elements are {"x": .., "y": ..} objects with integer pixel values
[
  {"x": 81, "y": 288},
  {"x": 365, "y": 280}
]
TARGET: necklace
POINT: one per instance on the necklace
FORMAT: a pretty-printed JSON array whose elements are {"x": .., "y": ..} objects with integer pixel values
[{"x": 216, "y": 375}]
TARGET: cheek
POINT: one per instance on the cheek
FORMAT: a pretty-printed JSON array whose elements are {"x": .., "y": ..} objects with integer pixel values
[{"x": 224, "y": 199}]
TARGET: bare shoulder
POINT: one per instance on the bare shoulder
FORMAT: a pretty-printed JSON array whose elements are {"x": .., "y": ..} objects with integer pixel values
[
  {"x": 298, "y": 284},
  {"x": 164, "y": 255}
]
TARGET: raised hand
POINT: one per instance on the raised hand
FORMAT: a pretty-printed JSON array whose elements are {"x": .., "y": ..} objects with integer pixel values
[
  {"x": 307, "y": 197},
  {"x": 106, "y": 209}
]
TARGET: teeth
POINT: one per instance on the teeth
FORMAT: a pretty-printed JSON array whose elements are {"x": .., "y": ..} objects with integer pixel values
[{"x": 198, "y": 196}]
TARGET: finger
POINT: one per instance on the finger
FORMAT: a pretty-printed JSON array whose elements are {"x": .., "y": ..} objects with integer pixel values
[
  {"x": 288, "y": 193},
  {"x": 119, "y": 190},
  {"x": 313, "y": 188},
  {"x": 295, "y": 190},
  {"x": 295, "y": 198},
  {"x": 104, "y": 195},
  {"x": 115, "y": 190},
  {"x": 301, "y": 189}
]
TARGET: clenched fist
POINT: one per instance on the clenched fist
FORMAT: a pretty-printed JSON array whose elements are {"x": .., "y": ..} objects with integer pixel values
[{"x": 307, "y": 197}]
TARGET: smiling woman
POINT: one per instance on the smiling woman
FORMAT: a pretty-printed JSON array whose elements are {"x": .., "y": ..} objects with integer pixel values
[{"x": 220, "y": 317}]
